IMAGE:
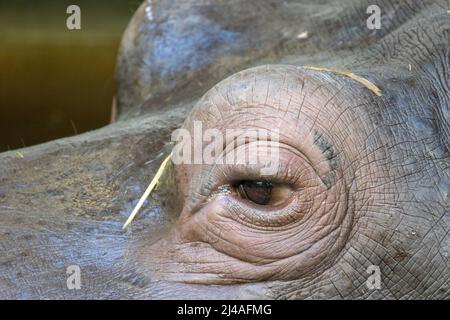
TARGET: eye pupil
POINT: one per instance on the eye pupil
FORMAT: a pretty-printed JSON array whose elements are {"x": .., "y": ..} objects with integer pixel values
[{"x": 258, "y": 192}]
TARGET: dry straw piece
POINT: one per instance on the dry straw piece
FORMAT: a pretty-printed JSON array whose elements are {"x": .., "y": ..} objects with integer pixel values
[
  {"x": 149, "y": 189},
  {"x": 369, "y": 85}
]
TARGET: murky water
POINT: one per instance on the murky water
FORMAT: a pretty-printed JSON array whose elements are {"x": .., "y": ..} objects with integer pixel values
[{"x": 55, "y": 82}]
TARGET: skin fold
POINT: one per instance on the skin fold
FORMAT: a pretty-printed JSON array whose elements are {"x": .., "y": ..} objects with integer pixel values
[{"x": 363, "y": 180}]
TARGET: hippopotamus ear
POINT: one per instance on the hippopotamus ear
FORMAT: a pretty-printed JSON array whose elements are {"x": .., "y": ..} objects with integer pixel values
[{"x": 177, "y": 49}]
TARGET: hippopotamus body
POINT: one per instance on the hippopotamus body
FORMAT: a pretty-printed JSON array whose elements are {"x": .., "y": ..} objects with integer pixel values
[{"x": 362, "y": 181}]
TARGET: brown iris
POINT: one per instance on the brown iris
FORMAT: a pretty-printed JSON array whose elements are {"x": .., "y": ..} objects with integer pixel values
[{"x": 259, "y": 192}]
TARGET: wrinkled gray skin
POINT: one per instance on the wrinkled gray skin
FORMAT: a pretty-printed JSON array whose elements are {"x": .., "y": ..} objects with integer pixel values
[{"x": 65, "y": 201}]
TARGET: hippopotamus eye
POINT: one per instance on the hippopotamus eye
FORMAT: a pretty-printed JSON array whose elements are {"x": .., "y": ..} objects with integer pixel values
[
  {"x": 257, "y": 191},
  {"x": 262, "y": 192}
]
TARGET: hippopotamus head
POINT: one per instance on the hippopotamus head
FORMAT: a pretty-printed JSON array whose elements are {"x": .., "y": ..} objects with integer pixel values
[{"x": 305, "y": 155}]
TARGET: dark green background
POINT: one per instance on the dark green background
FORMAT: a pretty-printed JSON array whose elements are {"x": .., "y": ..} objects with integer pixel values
[{"x": 53, "y": 81}]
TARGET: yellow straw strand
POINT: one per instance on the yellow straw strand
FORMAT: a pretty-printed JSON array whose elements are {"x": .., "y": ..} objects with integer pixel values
[
  {"x": 147, "y": 192},
  {"x": 369, "y": 85}
]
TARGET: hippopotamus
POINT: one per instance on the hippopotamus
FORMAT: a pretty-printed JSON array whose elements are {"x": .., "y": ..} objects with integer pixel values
[{"x": 358, "y": 207}]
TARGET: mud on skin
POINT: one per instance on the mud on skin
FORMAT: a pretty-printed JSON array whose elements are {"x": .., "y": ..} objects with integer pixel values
[{"x": 363, "y": 179}]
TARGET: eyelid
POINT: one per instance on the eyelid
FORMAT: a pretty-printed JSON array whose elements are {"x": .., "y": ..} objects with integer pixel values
[
  {"x": 292, "y": 210},
  {"x": 254, "y": 171},
  {"x": 267, "y": 216},
  {"x": 273, "y": 201},
  {"x": 292, "y": 174},
  {"x": 294, "y": 170}
]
